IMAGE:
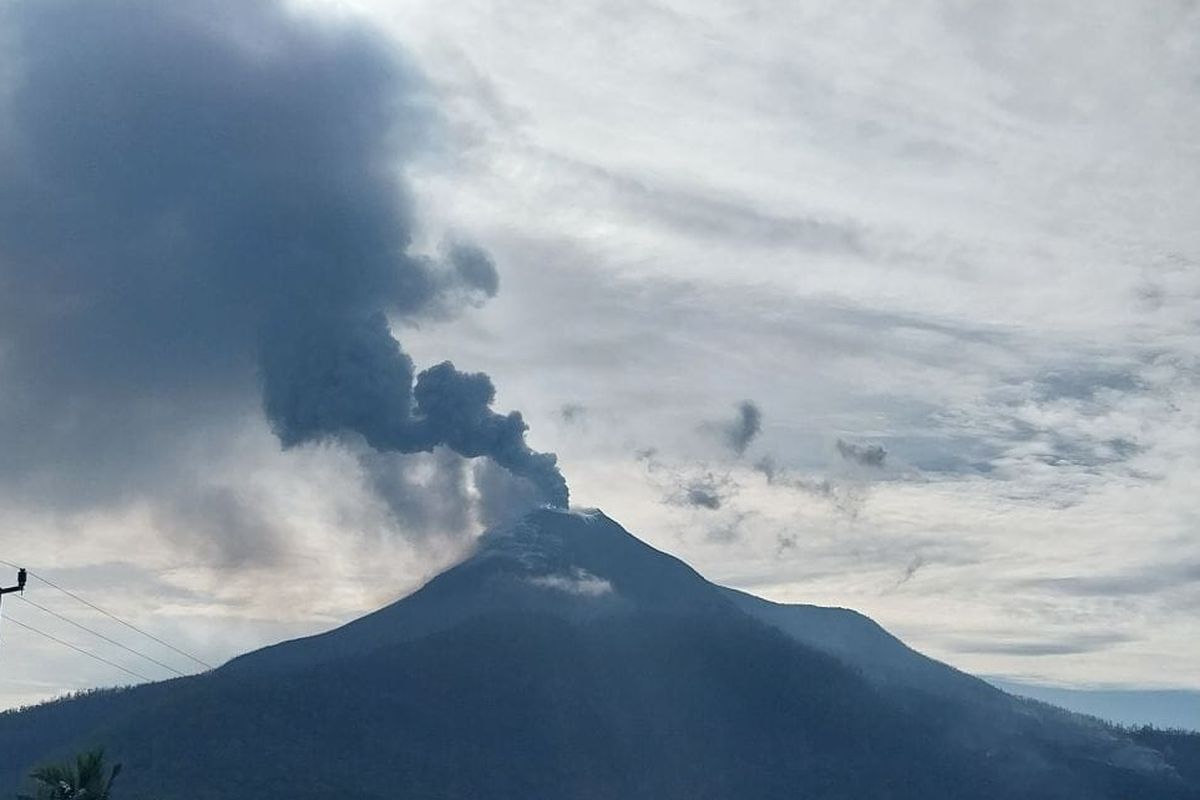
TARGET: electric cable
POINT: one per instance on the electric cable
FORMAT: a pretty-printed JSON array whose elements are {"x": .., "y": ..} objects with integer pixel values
[
  {"x": 97, "y": 634},
  {"x": 113, "y": 616},
  {"x": 80, "y": 650}
]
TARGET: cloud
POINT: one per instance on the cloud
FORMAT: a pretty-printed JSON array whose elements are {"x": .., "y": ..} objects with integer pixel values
[
  {"x": 572, "y": 413},
  {"x": 785, "y": 542},
  {"x": 227, "y": 525},
  {"x": 1071, "y": 644},
  {"x": 704, "y": 492},
  {"x": 769, "y": 468},
  {"x": 426, "y": 494},
  {"x": 743, "y": 430},
  {"x": 927, "y": 333},
  {"x": 730, "y": 529},
  {"x": 674, "y": 268},
  {"x": 200, "y": 204},
  {"x": 738, "y": 433},
  {"x": 1076, "y": 382},
  {"x": 696, "y": 212},
  {"x": 703, "y": 488},
  {"x": 848, "y": 496},
  {"x": 693, "y": 485},
  {"x": 578, "y": 582},
  {"x": 503, "y": 496},
  {"x": 697, "y": 485},
  {"x": 1144, "y": 581},
  {"x": 872, "y": 455},
  {"x": 910, "y": 570}
]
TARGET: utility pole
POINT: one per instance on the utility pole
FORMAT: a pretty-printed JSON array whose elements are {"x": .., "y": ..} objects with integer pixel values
[{"x": 20, "y": 587}]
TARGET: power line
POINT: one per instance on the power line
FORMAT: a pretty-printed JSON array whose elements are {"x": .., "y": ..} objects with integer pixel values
[
  {"x": 101, "y": 635},
  {"x": 113, "y": 616},
  {"x": 64, "y": 643}
]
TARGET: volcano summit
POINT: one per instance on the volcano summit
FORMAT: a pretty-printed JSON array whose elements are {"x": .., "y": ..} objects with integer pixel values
[{"x": 567, "y": 659}]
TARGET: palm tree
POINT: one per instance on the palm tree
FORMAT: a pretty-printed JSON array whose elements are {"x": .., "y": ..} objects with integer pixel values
[{"x": 83, "y": 780}]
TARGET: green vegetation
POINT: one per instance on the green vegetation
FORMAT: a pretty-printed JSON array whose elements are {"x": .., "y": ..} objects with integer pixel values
[{"x": 86, "y": 779}]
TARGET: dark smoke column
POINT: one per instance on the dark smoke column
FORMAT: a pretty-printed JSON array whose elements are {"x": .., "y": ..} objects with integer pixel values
[
  {"x": 457, "y": 407},
  {"x": 352, "y": 377},
  {"x": 200, "y": 191}
]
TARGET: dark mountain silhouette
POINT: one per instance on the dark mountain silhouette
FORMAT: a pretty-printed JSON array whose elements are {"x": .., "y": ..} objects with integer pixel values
[{"x": 567, "y": 659}]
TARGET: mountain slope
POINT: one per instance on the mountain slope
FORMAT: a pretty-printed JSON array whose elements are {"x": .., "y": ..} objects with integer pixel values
[
  {"x": 861, "y": 642},
  {"x": 567, "y": 659}
]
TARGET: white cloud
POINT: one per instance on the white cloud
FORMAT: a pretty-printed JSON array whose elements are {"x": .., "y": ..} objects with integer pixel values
[
  {"x": 577, "y": 581},
  {"x": 967, "y": 235}
]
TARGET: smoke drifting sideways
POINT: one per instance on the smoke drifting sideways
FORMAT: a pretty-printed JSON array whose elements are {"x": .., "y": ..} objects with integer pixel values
[
  {"x": 745, "y": 428},
  {"x": 204, "y": 193},
  {"x": 873, "y": 455}
]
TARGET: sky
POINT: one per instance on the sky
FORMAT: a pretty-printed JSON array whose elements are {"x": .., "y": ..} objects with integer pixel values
[{"x": 894, "y": 308}]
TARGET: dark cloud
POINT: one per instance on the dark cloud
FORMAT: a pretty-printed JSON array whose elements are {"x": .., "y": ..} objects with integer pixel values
[
  {"x": 846, "y": 497},
  {"x": 738, "y": 433},
  {"x": 695, "y": 486},
  {"x": 1047, "y": 417},
  {"x": 200, "y": 197},
  {"x": 572, "y": 412},
  {"x": 649, "y": 455},
  {"x": 474, "y": 267},
  {"x": 702, "y": 494},
  {"x": 1057, "y": 646},
  {"x": 872, "y": 455},
  {"x": 1059, "y": 447},
  {"x": 1144, "y": 581},
  {"x": 769, "y": 468},
  {"x": 910, "y": 570},
  {"x": 708, "y": 491},
  {"x": 776, "y": 475},
  {"x": 1085, "y": 383},
  {"x": 743, "y": 430}
]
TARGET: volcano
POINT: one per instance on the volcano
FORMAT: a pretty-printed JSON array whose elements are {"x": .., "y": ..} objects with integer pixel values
[{"x": 567, "y": 659}]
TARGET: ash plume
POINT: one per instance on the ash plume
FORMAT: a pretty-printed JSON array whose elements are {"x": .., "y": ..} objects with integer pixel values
[
  {"x": 200, "y": 198},
  {"x": 703, "y": 494},
  {"x": 873, "y": 455},
  {"x": 910, "y": 570},
  {"x": 708, "y": 491},
  {"x": 743, "y": 430}
]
